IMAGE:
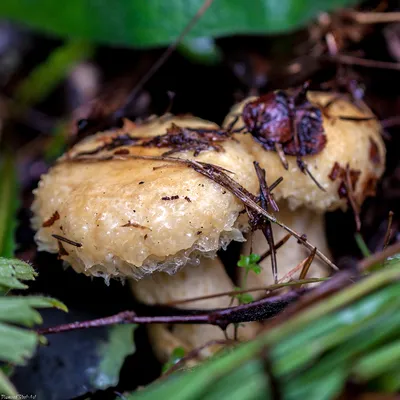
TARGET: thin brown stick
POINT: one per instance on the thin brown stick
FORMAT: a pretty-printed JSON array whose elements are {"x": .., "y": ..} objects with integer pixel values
[
  {"x": 373, "y": 17},
  {"x": 164, "y": 56},
  {"x": 232, "y": 293},
  {"x": 364, "y": 62},
  {"x": 298, "y": 267},
  {"x": 307, "y": 266},
  {"x": 350, "y": 195},
  {"x": 277, "y": 246},
  {"x": 217, "y": 175},
  {"x": 267, "y": 200},
  {"x": 66, "y": 240},
  {"x": 388, "y": 234},
  {"x": 275, "y": 184},
  {"x": 281, "y": 154},
  {"x": 379, "y": 257},
  {"x": 390, "y": 122}
]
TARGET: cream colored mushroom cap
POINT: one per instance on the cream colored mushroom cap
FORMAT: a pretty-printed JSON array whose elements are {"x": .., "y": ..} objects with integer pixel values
[
  {"x": 126, "y": 214},
  {"x": 355, "y": 143}
]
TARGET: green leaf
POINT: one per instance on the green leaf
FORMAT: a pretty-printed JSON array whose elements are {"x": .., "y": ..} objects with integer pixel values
[
  {"x": 6, "y": 387},
  {"x": 393, "y": 260},
  {"x": 8, "y": 205},
  {"x": 250, "y": 263},
  {"x": 243, "y": 298},
  {"x": 16, "y": 344},
  {"x": 176, "y": 355},
  {"x": 112, "y": 353},
  {"x": 159, "y": 22},
  {"x": 21, "y": 310},
  {"x": 12, "y": 272},
  {"x": 378, "y": 362},
  {"x": 362, "y": 245}
]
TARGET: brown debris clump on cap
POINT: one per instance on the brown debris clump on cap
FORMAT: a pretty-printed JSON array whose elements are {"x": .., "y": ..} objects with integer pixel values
[
  {"x": 183, "y": 139},
  {"x": 55, "y": 217},
  {"x": 176, "y": 138},
  {"x": 268, "y": 119}
]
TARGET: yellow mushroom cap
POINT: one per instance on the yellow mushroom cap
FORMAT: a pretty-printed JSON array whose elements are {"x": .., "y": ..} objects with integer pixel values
[
  {"x": 131, "y": 217},
  {"x": 357, "y": 144}
]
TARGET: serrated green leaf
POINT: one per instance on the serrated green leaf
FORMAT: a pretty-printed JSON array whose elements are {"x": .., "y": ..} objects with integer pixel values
[
  {"x": 159, "y": 22},
  {"x": 112, "y": 353},
  {"x": 6, "y": 387},
  {"x": 21, "y": 310},
  {"x": 8, "y": 205},
  {"x": 12, "y": 272},
  {"x": 16, "y": 344}
]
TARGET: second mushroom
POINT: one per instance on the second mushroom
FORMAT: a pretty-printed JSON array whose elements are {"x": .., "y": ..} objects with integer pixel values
[{"x": 328, "y": 151}]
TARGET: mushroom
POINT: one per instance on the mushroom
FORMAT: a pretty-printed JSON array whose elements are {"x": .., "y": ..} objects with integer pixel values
[
  {"x": 192, "y": 281},
  {"x": 341, "y": 151},
  {"x": 109, "y": 211}
]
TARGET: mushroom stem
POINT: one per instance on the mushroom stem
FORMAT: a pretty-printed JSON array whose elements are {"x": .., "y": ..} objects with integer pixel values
[
  {"x": 207, "y": 278},
  {"x": 291, "y": 254}
]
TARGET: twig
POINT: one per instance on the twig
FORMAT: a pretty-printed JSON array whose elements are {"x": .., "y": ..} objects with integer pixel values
[
  {"x": 269, "y": 288},
  {"x": 156, "y": 66},
  {"x": 275, "y": 184},
  {"x": 66, "y": 240},
  {"x": 277, "y": 246},
  {"x": 364, "y": 62},
  {"x": 216, "y": 174},
  {"x": 255, "y": 311},
  {"x": 379, "y": 257},
  {"x": 299, "y": 267},
  {"x": 307, "y": 266},
  {"x": 350, "y": 195},
  {"x": 373, "y": 17},
  {"x": 281, "y": 154},
  {"x": 266, "y": 200},
  {"x": 388, "y": 234},
  {"x": 390, "y": 122}
]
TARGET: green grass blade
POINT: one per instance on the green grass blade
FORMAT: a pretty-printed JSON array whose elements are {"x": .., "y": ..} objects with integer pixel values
[
  {"x": 8, "y": 206},
  {"x": 6, "y": 387}
]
